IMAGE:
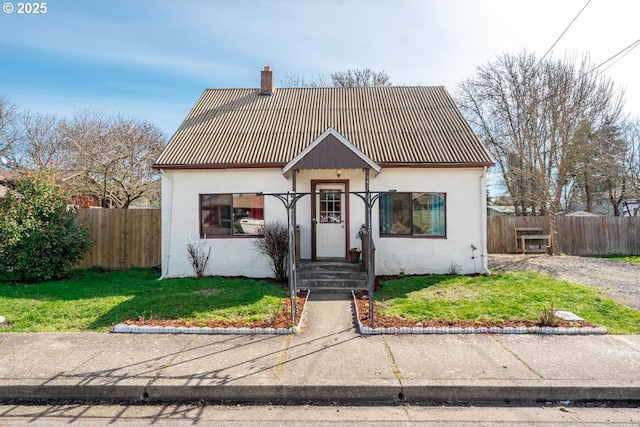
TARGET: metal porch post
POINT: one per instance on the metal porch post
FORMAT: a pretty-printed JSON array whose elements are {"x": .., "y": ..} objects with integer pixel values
[
  {"x": 370, "y": 272},
  {"x": 291, "y": 262}
]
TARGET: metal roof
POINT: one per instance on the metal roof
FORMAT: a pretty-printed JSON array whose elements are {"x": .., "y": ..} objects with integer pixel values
[{"x": 418, "y": 125}]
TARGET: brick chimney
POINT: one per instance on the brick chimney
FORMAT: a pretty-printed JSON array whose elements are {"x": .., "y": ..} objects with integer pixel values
[{"x": 266, "y": 81}]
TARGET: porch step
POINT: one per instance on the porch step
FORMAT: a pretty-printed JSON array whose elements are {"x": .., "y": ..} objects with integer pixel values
[{"x": 331, "y": 275}]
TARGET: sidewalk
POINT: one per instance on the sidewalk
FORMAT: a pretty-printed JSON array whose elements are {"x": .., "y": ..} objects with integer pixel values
[{"x": 327, "y": 362}]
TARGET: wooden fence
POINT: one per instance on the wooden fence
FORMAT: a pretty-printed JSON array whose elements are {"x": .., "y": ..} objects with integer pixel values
[
  {"x": 576, "y": 235},
  {"x": 123, "y": 238}
]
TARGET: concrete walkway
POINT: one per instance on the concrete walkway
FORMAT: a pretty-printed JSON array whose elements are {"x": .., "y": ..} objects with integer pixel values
[{"x": 327, "y": 362}]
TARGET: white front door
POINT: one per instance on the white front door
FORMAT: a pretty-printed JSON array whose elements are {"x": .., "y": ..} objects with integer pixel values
[{"x": 330, "y": 221}]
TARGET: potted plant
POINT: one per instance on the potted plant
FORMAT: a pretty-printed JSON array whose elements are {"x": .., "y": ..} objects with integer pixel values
[{"x": 355, "y": 255}]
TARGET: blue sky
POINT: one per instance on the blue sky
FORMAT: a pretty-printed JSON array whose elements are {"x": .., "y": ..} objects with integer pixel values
[{"x": 153, "y": 59}]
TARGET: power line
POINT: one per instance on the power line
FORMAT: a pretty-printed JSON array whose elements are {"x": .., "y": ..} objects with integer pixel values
[
  {"x": 565, "y": 30},
  {"x": 626, "y": 51}
]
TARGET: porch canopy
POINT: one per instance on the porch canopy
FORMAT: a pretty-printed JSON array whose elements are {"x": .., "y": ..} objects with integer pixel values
[{"x": 330, "y": 150}]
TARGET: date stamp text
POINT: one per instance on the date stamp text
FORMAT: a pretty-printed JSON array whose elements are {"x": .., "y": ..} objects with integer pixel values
[{"x": 25, "y": 8}]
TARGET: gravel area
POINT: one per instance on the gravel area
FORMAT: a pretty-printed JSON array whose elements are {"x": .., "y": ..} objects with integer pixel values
[{"x": 618, "y": 280}]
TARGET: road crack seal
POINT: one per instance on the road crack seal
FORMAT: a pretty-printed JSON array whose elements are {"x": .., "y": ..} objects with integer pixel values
[
  {"x": 169, "y": 362},
  {"x": 392, "y": 361},
  {"x": 283, "y": 358},
  {"x": 518, "y": 358},
  {"x": 104, "y": 348}
]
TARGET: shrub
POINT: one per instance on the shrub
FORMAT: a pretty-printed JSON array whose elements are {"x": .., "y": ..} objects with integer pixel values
[
  {"x": 198, "y": 257},
  {"x": 275, "y": 245},
  {"x": 40, "y": 238},
  {"x": 547, "y": 317}
]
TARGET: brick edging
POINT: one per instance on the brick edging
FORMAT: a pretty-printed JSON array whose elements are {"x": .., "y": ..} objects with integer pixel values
[
  {"x": 123, "y": 328},
  {"x": 430, "y": 330}
]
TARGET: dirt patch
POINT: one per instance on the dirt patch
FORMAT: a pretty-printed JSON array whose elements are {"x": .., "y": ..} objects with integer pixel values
[
  {"x": 282, "y": 320},
  {"x": 380, "y": 321},
  {"x": 207, "y": 291},
  {"x": 615, "y": 279}
]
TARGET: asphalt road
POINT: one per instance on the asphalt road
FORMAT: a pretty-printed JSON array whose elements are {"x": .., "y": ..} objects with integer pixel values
[{"x": 315, "y": 416}]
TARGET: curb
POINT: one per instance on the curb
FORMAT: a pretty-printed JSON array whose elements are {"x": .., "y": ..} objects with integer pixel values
[
  {"x": 544, "y": 330},
  {"x": 319, "y": 394},
  {"x": 123, "y": 328}
]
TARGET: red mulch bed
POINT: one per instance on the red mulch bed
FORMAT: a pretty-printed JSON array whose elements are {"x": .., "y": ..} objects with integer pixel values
[
  {"x": 380, "y": 321},
  {"x": 283, "y": 320}
]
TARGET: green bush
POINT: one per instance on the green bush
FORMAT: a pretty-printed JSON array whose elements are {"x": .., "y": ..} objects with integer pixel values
[{"x": 40, "y": 238}]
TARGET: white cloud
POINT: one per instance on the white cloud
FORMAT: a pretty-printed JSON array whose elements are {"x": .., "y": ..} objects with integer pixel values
[{"x": 226, "y": 43}]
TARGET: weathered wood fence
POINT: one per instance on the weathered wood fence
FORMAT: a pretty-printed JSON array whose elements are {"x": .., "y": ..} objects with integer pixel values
[
  {"x": 123, "y": 238},
  {"x": 576, "y": 235}
]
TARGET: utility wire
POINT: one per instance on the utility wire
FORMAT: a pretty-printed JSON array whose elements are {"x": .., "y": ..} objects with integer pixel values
[
  {"x": 565, "y": 30},
  {"x": 626, "y": 51}
]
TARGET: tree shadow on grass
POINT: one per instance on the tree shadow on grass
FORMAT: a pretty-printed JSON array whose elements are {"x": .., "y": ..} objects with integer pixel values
[
  {"x": 401, "y": 286},
  {"x": 138, "y": 294}
]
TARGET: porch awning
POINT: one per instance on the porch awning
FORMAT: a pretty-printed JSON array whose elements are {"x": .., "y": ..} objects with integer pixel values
[{"x": 331, "y": 150}]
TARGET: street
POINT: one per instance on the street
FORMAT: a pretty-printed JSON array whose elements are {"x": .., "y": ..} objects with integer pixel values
[{"x": 314, "y": 416}]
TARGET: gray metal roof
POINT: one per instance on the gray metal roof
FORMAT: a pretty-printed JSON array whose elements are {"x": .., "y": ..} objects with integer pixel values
[{"x": 418, "y": 125}]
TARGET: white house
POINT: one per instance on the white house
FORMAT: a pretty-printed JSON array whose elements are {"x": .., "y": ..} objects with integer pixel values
[{"x": 237, "y": 147}]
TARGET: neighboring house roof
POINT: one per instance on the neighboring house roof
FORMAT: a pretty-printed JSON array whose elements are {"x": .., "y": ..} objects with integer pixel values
[
  {"x": 5, "y": 177},
  {"x": 582, "y": 214},
  {"x": 389, "y": 125},
  {"x": 497, "y": 210},
  {"x": 12, "y": 175}
]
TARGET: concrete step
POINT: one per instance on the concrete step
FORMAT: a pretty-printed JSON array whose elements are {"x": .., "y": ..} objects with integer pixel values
[
  {"x": 330, "y": 265},
  {"x": 332, "y": 284},
  {"x": 331, "y": 275}
]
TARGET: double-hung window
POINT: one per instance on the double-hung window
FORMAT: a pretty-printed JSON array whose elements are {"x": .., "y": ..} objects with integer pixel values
[
  {"x": 231, "y": 215},
  {"x": 413, "y": 214}
]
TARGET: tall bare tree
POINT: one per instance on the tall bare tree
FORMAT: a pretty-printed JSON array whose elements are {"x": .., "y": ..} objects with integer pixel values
[
  {"x": 8, "y": 130},
  {"x": 41, "y": 144},
  {"x": 355, "y": 77},
  {"x": 363, "y": 77},
  {"x": 631, "y": 132},
  {"x": 298, "y": 80},
  {"x": 116, "y": 153},
  {"x": 600, "y": 173},
  {"x": 534, "y": 116}
]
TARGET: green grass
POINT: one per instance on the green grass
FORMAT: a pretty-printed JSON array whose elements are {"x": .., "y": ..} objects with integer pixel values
[
  {"x": 92, "y": 300},
  {"x": 95, "y": 301},
  {"x": 501, "y": 297},
  {"x": 627, "y": 258}
]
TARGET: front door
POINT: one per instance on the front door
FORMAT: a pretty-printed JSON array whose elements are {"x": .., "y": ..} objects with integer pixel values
[{"x": 331, "y": 230}]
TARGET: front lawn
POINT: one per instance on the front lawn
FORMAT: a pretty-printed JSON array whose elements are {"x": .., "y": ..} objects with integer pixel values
[
  {"x": 501, "y": 297},
  {"x": 96, "y": 301}
]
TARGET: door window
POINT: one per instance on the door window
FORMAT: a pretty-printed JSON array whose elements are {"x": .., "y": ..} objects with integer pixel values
[{"x": 330, "y": 207}]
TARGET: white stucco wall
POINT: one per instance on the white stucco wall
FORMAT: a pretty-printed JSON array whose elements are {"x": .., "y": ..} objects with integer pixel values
[
  {"x": 230, "y": 256},
  {"x": 465, "y": 216}
]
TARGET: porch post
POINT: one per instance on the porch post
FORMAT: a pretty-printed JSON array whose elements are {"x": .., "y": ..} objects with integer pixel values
[
  {"x": 370, "y": 273},
  {"x": 294, "y": 174},
  {"x": 291, "y": 268},
  {"x": 367, "y": 197}
]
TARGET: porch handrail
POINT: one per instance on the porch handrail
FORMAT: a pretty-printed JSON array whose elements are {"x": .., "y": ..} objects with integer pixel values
[
  {"x": 369, "y": 265},
  {"x": 297, "y": 245},
  {"x": 365, "y": 252}
]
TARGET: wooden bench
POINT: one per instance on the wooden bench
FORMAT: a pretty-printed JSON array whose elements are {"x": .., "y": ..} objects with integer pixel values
[{"x": 531, "y": 240}]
